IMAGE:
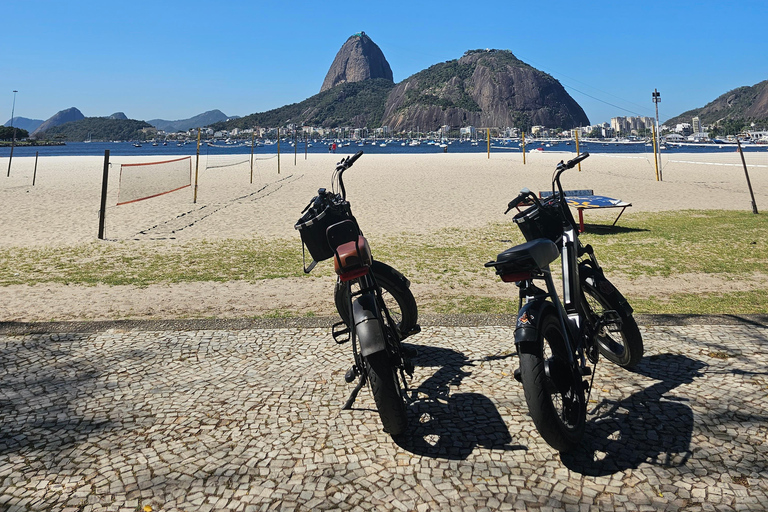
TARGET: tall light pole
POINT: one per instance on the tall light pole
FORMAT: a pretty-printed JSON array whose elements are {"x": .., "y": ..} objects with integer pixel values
[{"x": 656, "y": 100}]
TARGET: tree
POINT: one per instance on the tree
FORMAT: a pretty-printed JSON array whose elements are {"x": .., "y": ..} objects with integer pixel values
[{"x": 6, "y": 133}]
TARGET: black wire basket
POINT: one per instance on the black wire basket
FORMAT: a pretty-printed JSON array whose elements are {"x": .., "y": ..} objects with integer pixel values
[
  {"x": 543, "y": 221},
  {"x": 313, "y": 224}
]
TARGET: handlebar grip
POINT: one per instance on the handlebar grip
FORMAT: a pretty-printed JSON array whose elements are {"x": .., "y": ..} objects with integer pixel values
[
  {"x": 579, "y": 158},
  {"x": 354, "y": 157},
  {"x": 524, "y": 194}
]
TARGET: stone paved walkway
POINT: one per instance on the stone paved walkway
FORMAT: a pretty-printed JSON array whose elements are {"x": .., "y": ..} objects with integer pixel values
[{"x": 249, "y": 419}]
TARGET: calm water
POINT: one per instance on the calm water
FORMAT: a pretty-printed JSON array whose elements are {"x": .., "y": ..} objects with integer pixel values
[{"x": 127, "y": 148}]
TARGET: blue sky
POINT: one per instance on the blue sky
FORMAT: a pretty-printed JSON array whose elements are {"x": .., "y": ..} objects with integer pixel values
[{"x": 174, "y": 60}]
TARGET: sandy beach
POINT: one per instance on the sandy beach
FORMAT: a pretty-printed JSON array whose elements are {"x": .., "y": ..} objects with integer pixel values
[{"x": 398, "y": 193}]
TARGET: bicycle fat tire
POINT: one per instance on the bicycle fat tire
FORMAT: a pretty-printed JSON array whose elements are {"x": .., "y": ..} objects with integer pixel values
[
  {"x": 624, "y": 348},
  {"x": 560, "y": 417},
  {"x": 385, "y": 387},
  {"x": 397, "y": 296}
]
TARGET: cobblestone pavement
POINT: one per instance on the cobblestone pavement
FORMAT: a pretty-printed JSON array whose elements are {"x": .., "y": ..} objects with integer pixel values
[{"x": 249, "y": 419}]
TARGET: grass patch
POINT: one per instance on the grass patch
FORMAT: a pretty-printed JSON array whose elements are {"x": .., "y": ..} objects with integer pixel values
[
  {"x": 662, "y": 244},
  {"x": 142, "y": 264},
  {"x": 727, "y": 244}
]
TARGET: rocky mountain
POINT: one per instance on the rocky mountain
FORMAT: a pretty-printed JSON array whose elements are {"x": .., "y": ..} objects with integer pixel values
[
  {"x": 482, "y": 88},
  {"x": 61, "y": 117},
  {"x": 118, "y": 115},
  {"x": 24, "y": 123},
  {"x": 742, "y": 105},
  {"x": 358, "y": 59},
  {"x": 204, "y": 119}
]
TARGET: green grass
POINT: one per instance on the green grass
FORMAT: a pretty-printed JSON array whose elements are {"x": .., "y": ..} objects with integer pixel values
[
  {"x": 729, "y": 245},
  {"x": 144, "y": 264}
]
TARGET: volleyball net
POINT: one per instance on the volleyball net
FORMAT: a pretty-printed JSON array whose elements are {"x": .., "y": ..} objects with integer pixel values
[{"x": 147, "y": 180}]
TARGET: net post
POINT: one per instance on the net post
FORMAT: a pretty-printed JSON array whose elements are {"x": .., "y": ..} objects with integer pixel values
[
  {"x": 655, "y": 159},
  {"x": 104, "y": 182},
  {"x": 749, "y": 183},
  {"x": 34, "y": 174},
  {"x": 489, "y": 143},
  {"x": 278, "y": 151},
  {"x": 253, "y": 135},
  {"x": 577, "y": 148},
  {"x": 197, "y": 165},
  {"x": 523, "y": 142}
]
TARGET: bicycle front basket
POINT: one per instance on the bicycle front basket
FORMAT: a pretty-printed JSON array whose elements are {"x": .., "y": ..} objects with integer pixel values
[
  {"x": 313, "y": 225},
  {"x": 541, "y": 222}
]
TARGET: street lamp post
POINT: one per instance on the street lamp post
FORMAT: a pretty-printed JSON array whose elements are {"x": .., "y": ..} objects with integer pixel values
[
  {"x": 13, "y": 141},
  {"x": 656, "y": 100}
]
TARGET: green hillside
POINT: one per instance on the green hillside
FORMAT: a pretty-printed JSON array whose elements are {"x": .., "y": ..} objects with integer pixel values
[
  {"x": 357, "y": 104},
  {"x": 100, "y": 129}
]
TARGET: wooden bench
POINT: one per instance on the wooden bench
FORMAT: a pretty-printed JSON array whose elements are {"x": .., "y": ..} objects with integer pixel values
[{"x": 587, "y": 200}]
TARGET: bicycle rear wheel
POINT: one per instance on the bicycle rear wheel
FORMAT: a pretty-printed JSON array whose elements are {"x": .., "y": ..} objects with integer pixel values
[
  {"x": 385, "y": 386},
  {"x": 397, "y": 297}
]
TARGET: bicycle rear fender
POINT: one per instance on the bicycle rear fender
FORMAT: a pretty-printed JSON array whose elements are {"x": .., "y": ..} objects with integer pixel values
[
  {"x": 528, "y": 319},
  {"x": 367, "y": 325}
]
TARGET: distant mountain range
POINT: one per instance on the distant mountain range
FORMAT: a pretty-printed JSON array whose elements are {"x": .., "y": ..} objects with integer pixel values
[
  {"x": 25, "y": 124},
  {"x": 200, "y": 120},
  {"x": 72, "y": 125}
]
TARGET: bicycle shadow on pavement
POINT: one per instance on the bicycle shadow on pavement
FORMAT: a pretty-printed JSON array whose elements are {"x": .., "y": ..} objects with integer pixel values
[
  {"x": 650, "y": 426},
  {"x": 447, "y": 425}
]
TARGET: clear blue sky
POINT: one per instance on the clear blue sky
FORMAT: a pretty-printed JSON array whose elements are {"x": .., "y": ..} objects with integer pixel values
[{"x": 174, "y": 60}]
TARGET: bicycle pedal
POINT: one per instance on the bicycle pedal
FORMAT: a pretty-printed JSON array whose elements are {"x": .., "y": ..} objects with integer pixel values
[
  {"x": 586, "y": 371},
  {"x": 517, "y": 375},
  {"x": 416, "y": 329},
  {"x": 339, "y": 330},
  {"x": 351, "y": 375}
]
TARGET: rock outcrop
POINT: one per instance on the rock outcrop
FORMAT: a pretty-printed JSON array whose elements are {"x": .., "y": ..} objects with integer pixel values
[
  {"x": 61, "y": 117},
  {"x": 483, "y": 88},
  {"x": 359, "y": 59}
]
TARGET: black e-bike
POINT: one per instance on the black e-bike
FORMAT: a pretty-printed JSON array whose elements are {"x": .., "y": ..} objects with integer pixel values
[
  {"x": 556, "y": 339},
  {"x": 375, "y": 303}
]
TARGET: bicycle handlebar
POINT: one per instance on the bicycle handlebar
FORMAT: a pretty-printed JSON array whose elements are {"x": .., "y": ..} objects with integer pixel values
[{"x": 342, "y": 166}]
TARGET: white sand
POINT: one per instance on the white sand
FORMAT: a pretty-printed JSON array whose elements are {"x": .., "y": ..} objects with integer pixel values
[{"x": 389, "y": 194}]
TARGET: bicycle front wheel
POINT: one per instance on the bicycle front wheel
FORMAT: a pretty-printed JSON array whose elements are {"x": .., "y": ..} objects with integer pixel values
[
  {"x": 625, "y": 347},
  {"x": 554, "y": 395}
]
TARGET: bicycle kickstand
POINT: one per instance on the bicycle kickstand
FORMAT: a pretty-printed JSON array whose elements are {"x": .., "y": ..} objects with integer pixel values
[{"x": 353, "y": 395}]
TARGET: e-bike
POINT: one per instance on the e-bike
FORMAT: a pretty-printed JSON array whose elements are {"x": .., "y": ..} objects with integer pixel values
[
  {"x": 558, "y": 340},
  {"x": 375, "y": 303}
]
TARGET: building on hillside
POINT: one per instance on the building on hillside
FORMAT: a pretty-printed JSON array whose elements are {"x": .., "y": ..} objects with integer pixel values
[{"x": 696, "y": 125}]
